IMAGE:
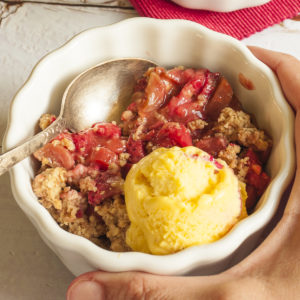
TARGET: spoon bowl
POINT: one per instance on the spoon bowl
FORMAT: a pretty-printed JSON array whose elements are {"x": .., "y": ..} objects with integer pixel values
[
  {"x": 110, "y": 83},
  {"x": 98, "y": 94}
]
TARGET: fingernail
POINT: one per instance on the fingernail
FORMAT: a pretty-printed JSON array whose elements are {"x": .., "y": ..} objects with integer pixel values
[{"x": 84, "y": 290}]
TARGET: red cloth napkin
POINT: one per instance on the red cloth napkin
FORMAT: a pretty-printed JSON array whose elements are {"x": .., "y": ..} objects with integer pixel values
[{"x": 239, "y": 24}]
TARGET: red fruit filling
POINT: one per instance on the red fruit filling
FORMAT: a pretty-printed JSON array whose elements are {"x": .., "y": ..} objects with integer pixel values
[
  {"x": 164, "y": 106},
  {"x": 135, "y": 149},
  {"x": 56, "y": 156},
  {"x": 212, "y": 145}
]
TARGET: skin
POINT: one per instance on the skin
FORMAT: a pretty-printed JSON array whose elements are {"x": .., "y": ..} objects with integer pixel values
[{"x": 272, "y": 271}]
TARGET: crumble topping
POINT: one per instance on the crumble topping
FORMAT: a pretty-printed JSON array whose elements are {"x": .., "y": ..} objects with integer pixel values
[
  {"x": 48, "y": 186},
  {"x": 114, "y": 215},
  {"x": 46, "y": 120},
  {"x": 196, "y": 124},
  {"x": 65, "y": 142},
  {"x": 236, "y": 126}
]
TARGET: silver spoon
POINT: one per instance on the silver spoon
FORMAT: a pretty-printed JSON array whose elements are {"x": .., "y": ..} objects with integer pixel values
[{"x": 99, "y": 94}]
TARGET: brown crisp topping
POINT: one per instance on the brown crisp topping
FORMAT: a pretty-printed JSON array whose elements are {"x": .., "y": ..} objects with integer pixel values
[
  {"x": 241, "y": 169},
  {"x": 196, "y": 124},
  {"x": 90, "y": 229},
  {"x": 114, "y": 214},
  {"x": 46, "y": 162},
  {"x": 230, "y": 121},
  {"x": 236, "y": 126},
  {"x": 239, "y": 165},
  {"x": 67, "y": 143},
  {"x": 72, "y": 201},
  {"x": 252, "y": 137},
  {"x": 46, "y": 120},
  {"x": 48, "y": 186},
  {"x": 123, "y": 157},
  {"x": 87, "y": 184},
  {"x": 229, "y": 155}
]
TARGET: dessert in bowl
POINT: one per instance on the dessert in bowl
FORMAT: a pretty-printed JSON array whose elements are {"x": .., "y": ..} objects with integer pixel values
[
  {"x": 190, "y": 45},
  {"x": 179, "y": 169}
]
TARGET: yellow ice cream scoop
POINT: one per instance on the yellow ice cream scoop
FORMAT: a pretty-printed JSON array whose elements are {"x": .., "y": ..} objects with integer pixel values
[{"x": 181, "y": 197}]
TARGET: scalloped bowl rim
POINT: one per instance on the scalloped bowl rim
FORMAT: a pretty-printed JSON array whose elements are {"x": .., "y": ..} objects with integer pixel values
[
  {"x": 186, "y": 259},
  {"x": 220, "y": 5}
]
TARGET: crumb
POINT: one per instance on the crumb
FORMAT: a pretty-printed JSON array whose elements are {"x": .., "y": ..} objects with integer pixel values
[
  {"x": 241, "y": 169},
  {"x": 229, "y": 155},
  {"x": 65, "y": 142},
  {"x": 230, "y": 121},
  {"x": 46, "y": 120},
  {"x": 72, "y": 201},
  {"x": 48, "y": 185},
  {"x": 87, "y": 184},
  {"x": 114, "y": 214},
  {"x": 90, "y": 229},
  {"x": 236, "y": 126},
  {"x": 123, "y": 158},
  {"x": 196, "y": 124},
  {"x": 239, "y": 165},
  {"x": 252, "y": 137}
]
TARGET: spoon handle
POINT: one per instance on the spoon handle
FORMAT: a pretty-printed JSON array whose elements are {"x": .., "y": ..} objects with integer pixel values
[{"x": 15, "y": 155}]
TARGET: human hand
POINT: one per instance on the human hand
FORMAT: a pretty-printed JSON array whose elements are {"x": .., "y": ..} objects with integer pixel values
[{"x": 272, "y": 271}]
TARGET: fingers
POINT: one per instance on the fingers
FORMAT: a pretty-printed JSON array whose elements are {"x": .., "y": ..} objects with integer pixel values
[
  {"x": 136, "y": 285},
  {"x": 293, "y": 205},
  {"x": 281, "y": 248},
  {"x": 287, "y": 68}
]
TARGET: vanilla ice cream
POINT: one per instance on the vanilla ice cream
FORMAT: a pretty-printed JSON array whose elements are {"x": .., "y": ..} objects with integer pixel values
[{"x": 181, "y": 197}]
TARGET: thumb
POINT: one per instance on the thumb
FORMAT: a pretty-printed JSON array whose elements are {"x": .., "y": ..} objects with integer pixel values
[
  {"x": 136, "y": 285},
  {"x": 287, "y": 68}
]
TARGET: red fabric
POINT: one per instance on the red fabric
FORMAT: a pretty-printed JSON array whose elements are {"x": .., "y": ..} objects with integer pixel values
[{"x": 239, "y": 24}]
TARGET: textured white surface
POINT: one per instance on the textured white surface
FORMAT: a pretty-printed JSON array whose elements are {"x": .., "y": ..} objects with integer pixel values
[
  {"x": 29, "y": 269},
  {"x": 284, "y": 37}
]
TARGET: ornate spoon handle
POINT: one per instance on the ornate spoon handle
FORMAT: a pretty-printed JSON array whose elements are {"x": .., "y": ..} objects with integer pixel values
[{"x": 15, "y": 155}]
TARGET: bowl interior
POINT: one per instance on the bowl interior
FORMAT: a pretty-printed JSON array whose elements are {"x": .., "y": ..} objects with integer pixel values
[{"x": 168, "y": 43}]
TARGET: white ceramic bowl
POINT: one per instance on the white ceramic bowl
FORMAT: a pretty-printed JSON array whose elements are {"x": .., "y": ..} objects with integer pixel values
[
  {"x": 169, "y": 43},
  {"x": 220, "y": 5}
]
